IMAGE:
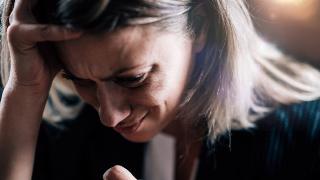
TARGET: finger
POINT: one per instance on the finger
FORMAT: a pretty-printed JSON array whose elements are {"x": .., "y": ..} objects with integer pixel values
[
  {"x": 22, "y": 10},
  {"x": 49, "y": 51},
  {"x": 118, "y": 173},
  {"x": 29, "y": 34}
]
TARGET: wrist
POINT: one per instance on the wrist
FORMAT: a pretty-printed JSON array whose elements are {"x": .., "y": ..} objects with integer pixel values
[{"x": 28, "y": 92}]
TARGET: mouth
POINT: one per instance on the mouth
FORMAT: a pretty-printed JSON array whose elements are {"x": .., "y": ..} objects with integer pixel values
[{"x": 129, "y": 128}]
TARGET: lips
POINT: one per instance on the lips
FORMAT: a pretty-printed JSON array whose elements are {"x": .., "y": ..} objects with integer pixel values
[{"x": 127, "y": 128}]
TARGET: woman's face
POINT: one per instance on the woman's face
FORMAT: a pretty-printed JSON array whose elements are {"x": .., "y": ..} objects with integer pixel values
[{"x": 134, "y": 77}]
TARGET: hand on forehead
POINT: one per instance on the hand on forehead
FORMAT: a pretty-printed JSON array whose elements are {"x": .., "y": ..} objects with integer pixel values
[{"x": 22, "y": 11}]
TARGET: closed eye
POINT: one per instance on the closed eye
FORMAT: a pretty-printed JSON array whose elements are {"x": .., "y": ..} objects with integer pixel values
[
  {"x": 76, "y": 80},
  {"x": 68, "y": 76},
  {"x": 131, "y": 81}
]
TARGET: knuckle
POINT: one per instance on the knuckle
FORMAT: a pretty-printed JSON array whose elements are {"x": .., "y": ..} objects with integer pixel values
[
  {"x": 114, "y": 172},
  {"x": 45, "y": 31},
  {"x": 13, "y": 31},
  {"x": 117, "y": 169}
]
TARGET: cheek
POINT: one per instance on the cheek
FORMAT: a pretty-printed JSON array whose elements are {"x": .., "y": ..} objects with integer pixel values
[
  {"x": 160, "y": 97},
  {"x": 151, "y": 94}
]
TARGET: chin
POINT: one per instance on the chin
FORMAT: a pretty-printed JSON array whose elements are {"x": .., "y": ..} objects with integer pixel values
[
  {"x": 141, "y": 133},
  {"x": 139, "y": 137}
]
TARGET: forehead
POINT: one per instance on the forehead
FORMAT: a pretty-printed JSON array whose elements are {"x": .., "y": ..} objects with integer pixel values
[
  {"x": 121, "y": 40},
  {"x": 133, "y": 44}
]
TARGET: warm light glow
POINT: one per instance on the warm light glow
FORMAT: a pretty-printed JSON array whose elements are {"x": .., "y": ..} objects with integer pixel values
[
  {"x": 291, "y": 2},
  {"x": 297, "y": 9}
]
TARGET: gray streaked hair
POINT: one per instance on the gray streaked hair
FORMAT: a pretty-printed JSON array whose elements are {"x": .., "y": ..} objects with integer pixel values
[{"x": 237, "y": 78}]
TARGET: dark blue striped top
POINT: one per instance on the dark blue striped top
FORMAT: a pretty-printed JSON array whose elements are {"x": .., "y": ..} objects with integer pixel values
[{"x": 284, "y": 144}]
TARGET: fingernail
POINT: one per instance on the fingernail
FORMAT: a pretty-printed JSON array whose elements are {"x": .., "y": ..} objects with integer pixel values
[{"x": 11, "y": 18}]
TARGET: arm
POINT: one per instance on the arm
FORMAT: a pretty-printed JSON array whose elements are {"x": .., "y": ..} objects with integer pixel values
[
  {"x": 25, "y": 94},
  {"x": 20, "y": 115}
]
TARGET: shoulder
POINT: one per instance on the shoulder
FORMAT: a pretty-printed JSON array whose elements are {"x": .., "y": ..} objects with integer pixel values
[
  {"x": 285, "y": 143},
  {"x": 300, "y": 120}
]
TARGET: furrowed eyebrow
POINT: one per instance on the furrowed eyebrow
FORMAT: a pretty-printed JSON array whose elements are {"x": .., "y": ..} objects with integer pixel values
[
  {"x": 120, "y": 71},
  {"x": 123, "y": 70},
  {"x": 72, "y": 76}
]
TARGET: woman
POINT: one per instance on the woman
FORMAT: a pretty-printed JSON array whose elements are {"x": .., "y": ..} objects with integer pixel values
[{"x": 191, "y": 69}]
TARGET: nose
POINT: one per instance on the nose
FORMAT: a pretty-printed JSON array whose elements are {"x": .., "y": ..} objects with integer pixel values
[{"x": 112, "y": 106}]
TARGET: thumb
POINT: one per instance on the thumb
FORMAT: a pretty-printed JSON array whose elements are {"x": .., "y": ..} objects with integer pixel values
[{"x": 118, "y": 173}]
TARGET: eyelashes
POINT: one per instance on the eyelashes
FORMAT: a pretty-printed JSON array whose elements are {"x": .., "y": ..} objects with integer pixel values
[
  {"x": 125, "y": 81},
  {"x": 131, "y": 81},
  {"x": 67, "y": 76},
  {"x": 78, "y": 81}
]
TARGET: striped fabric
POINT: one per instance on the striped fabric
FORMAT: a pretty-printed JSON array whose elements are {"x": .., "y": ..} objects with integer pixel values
[{"x": 285, "y": 144}]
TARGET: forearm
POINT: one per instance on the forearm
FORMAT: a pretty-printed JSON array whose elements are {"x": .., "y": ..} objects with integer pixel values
[{"x": 20, "y": 117}]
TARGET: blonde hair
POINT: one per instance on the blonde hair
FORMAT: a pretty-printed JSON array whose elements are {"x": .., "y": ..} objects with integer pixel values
[
  {"x": 238, "y": 77},
  {"x": 254, "y": 80}
]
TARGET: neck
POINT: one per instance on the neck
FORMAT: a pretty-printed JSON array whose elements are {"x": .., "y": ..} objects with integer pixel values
[
  {"x": 187, "y": 136},
  {"x": 188, "y": 147}
]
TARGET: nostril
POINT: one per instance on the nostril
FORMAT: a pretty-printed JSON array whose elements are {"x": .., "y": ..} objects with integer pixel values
[
  {"x": 106, "y": 119},
  {"x": 120, "y": 123},
  {"x": 113, "y": 118}
]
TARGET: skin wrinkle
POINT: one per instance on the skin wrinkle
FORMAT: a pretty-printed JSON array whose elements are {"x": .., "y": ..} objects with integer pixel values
[
  {"x": 220, "y": 113},
  {"x": 127, "y": 42},
  {"x": 169, "y": 54}
]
